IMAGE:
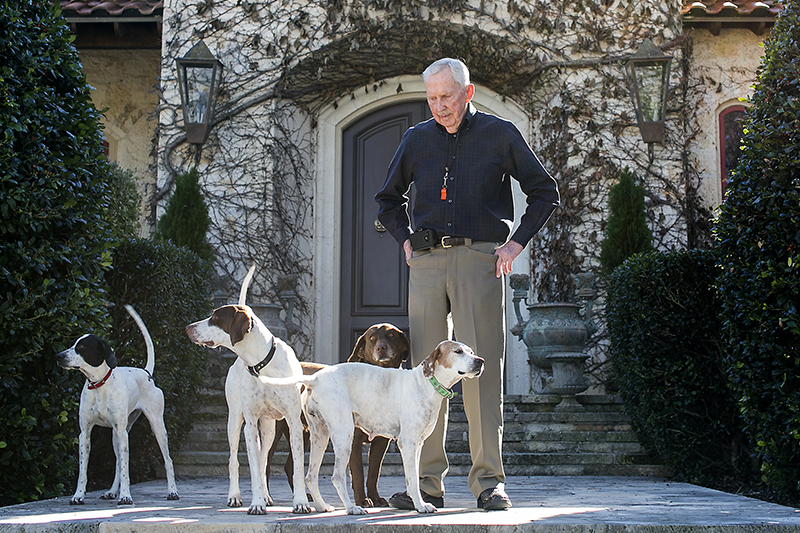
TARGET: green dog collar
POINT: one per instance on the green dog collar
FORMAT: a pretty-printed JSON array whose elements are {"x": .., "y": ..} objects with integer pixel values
[{"x": 438, "y": 387}]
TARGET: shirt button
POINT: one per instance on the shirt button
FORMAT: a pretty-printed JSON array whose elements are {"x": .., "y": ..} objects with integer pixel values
[
  {"x": 449, "y": 224},
  {"x": 449, "y": 201}
]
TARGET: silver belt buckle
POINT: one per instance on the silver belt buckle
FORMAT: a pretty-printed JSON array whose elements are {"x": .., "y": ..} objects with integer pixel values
[{"x": 446, "y": 245}]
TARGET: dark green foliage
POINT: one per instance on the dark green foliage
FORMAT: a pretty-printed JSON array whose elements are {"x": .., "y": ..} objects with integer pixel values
[
  {"x": 55, "y": 238},
  {"x": 185, "y": 221},
  {"x": 665, "y": 346},
  {"x": 627, "y": 232},
  {"x": 169, "y": 288},
  {"x": 758, "y": 234},
  {"x": 124, "y": 201}
]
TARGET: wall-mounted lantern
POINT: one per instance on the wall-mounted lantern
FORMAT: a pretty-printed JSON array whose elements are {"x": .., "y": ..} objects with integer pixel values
[
  {"x": 199, "y": 77},
  {"x": 648, "y": 77}
]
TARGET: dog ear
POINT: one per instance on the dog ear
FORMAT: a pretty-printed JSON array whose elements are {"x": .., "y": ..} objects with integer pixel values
[
  {"x": 405, "y": 351},
  {"x": 111, "y": 359},
  {"x": 358, "y": 351},
  {"x": 241, "y": 324},
  {"x": 429, "y": 364}
]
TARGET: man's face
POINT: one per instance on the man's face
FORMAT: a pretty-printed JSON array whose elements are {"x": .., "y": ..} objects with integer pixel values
[{"x": 447, "y": 99}]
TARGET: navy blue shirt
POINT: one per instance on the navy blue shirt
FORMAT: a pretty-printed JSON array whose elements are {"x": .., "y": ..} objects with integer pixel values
[{"x": 479, "y": 161}]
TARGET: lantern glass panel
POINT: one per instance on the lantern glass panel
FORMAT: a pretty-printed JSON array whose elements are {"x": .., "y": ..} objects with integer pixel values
[
  {"x": 650, "y": 84},
  {"x": 199, "y": 84}
]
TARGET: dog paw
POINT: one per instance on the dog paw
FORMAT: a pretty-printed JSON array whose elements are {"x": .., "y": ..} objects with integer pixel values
[
  {"x": 356, "y": 510},
  {"x": 76, "y": 500},
  {"x": 322, "y": 507},
  {"x": 379, "y": 502},
  {"x": 364, "y": 502},
  {"x": 125, "y": 500},
  {"x": 301, "y": 508},
  {"x": 109, "y": 496},
  {"x": 173, "y": 496},
  {"x": 257, "y": 509},
  {"x": 426, "y": 508},
  {"x": 234, "y": 501}
]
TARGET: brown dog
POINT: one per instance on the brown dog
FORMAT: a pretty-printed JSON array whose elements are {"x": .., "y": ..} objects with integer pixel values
[{"x": 381, "y": 345}]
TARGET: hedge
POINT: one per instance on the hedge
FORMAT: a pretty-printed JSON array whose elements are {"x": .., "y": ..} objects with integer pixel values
[{"x": 666, "y": 351}]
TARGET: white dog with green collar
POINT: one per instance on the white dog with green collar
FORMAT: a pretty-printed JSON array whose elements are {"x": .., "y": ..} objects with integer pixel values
[{"x": 390, "y": 402}]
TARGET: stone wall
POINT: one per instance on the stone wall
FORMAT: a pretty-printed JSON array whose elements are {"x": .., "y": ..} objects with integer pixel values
[
  {"x": 125, "y": 83},
  {"x": 723, "y": 70}
]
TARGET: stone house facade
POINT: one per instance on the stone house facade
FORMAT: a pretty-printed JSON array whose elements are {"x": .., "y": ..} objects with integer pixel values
[{"x": 315, "y": 94}]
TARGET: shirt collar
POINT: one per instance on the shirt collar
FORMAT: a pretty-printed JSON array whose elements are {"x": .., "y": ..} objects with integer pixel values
[{"x": 469, "y": 117}]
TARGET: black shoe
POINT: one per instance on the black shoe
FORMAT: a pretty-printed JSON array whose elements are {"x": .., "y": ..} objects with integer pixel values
[
  {"x": 402, "y": 500},
  {"x": 494, "y": 499}
]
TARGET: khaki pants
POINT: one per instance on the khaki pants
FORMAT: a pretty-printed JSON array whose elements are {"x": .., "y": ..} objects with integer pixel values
[{"x": 461, "y": 280}]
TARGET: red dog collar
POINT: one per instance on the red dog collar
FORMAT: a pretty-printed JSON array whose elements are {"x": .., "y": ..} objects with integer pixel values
[{"x": 101, "y": 382}]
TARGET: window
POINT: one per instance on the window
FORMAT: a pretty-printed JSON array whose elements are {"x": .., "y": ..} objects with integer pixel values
[{"x": 730, "y": 136}]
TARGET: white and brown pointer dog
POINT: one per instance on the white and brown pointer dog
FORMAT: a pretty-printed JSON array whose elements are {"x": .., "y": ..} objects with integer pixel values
[
  {"x": 394, "y": 403},
  {"x": 381, "y": 345},
  {"x": 260, "y": 353},
  {"x": 115, "y": 397}
]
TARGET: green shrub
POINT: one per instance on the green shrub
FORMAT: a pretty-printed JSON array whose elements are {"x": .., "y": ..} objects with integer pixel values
[
  {"x": 186, "y": 221},
  {"x": 56, "y": 234},
  {"x": 758, "y": 233},
  {"x": 169, "y": 288},
  {"x": 665, "y": 348},
  {"x": 124, "y": 201},
  {"x": 627, "y": 232}
]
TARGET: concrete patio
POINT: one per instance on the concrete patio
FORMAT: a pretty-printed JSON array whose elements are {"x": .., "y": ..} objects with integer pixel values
[{"x": 562, "y": 504}]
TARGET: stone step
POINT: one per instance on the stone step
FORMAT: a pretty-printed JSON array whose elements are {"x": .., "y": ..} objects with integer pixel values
[
  {"x": 564, "y": 464},
  {"x": 463, "y": 447},
  {"x": 546, "y": 441}
]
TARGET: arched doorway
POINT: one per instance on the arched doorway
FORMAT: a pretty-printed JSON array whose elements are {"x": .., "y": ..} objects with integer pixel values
[{"x": 328, "y": 211}]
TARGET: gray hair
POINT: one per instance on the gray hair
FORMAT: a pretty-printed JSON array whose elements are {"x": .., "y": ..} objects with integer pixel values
[{"x": 457, "y": 68}]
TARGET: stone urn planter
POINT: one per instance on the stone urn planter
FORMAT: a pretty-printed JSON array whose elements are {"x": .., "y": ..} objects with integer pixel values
[
  {"x": 550, "y": 328},
  {"x": 270, "y": 315},
  {"x": 568, "y": 380}
]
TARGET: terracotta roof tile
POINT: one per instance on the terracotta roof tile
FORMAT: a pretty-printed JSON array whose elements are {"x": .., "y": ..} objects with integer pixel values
[
  {"x": 113, "y": 7},
  {"x": 754, "y": 8}
]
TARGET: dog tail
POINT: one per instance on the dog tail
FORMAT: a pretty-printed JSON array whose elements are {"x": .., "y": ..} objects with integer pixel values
[
  {"x": 151, "y": 352},
  {"x": 284, "y": 382},
  {"x": 245, "y": 285}
]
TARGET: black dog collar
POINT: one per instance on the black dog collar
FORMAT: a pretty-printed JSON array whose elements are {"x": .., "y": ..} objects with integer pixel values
[{"x": 255, "y": 369}]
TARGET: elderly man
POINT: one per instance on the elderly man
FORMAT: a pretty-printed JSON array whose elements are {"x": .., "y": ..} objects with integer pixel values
[{"x": 462, "y": 162}]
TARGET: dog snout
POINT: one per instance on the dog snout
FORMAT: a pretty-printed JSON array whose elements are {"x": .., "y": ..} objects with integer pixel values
[
  {"x": 477, "y": 364},
  {"x": 382, "y": 350}
]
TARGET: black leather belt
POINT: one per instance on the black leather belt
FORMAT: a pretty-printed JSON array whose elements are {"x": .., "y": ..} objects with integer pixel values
[
  {"x": 427, "y": 240},
  {"x": 449, "y": 242}
]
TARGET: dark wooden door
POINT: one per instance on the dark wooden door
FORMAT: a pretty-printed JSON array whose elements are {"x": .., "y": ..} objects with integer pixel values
[{"x": 374, "y": 284}]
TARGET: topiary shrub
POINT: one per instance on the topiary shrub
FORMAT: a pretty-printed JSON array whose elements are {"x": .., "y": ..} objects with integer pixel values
[
  {"x": 186, "y": 221},
  {"x": 169, "y": 288},
  {"x": 56, "y": 234},
  {"x": 627, "y": 232},
  {"x": 665, "y": 348},
  {"x": 758, "y": 233}
]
